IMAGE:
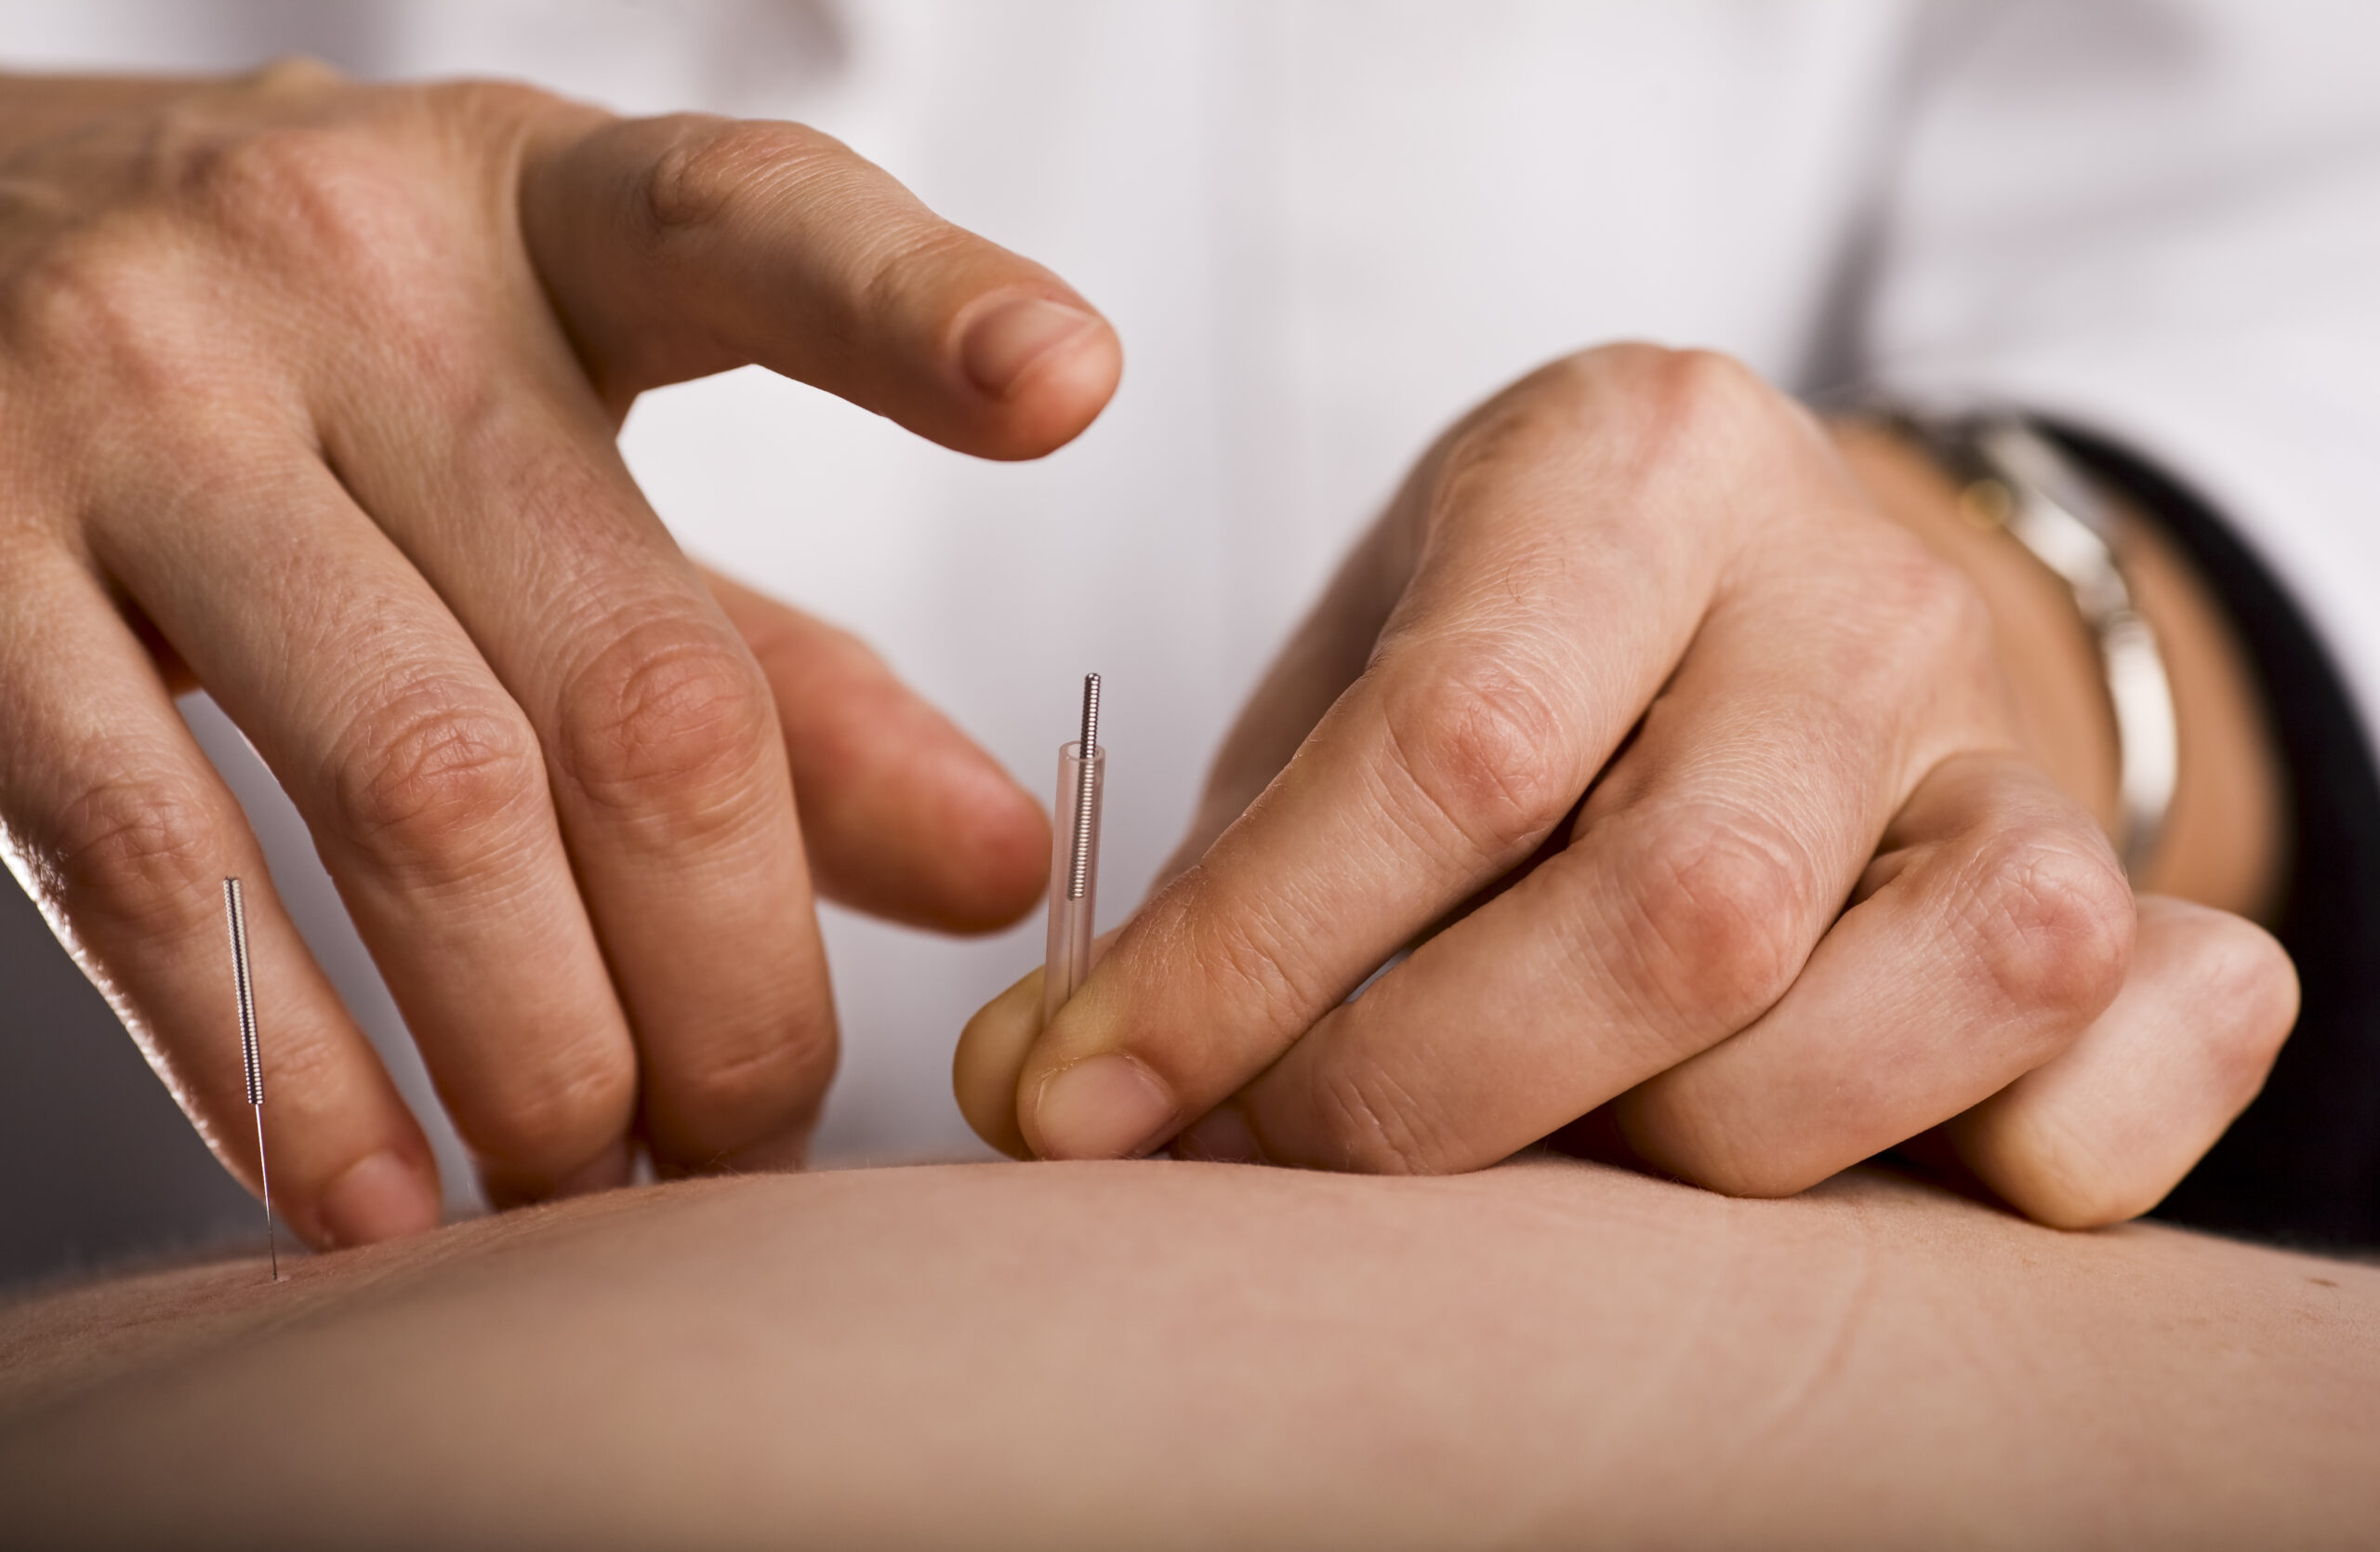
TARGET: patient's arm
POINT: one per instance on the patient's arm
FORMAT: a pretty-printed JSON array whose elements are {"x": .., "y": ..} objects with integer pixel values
[{"x": 1113, "y": 1355}]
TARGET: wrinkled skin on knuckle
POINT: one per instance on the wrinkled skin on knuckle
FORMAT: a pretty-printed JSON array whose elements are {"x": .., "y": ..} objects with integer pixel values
[
  {"x": 1933, "y": 629},
  {"x": 1902, "y": 645},
  {"x": 1705, "y": 391},
  {"x": 1722, "y": 902},
  {"x": 1677, "y": 1136},
  {"x": 1945, "y": 619},
  {"x": 1663, "y": 432},
  {"x": 712, "y": 166},
  {"x": 436, "y": 783},
  {"x": 1629, "y": 385},
  {"x": 1379, "y": 1127},
  {"x": 721, "y": 176},
  {"x": 336, "y": 207},
  {"x": 105, "y": 319},
  {"x": 1549, "y": 418},
  {"x": 910, "y": 252},
  {"x": 1244, "y": 990},
  {"x": 715, "y": 1108},
  {"x": 1707, "y": 1161},
  {"x": 1482, "y": 747},
  {"x": 1692, "y": 411},
  {"x": 529, "y": 1124},
  {"x": 491, "y": 112},
  {"x": 1533, "y": 425},
  {"x": 138, "y": 851},
  {"x": 2049, "y": 923},
  {"x": 672, "y": 725},
  {"x": 1759, "y": 1179},
  {"x": 308, "y": 185}
]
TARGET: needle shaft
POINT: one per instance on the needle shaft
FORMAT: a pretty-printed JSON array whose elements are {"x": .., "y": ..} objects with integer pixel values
[{"x": 251, "y": 1062}]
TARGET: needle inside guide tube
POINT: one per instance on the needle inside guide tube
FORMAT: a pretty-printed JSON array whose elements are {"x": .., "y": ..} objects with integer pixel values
[{"x": 1074, "y": 862}]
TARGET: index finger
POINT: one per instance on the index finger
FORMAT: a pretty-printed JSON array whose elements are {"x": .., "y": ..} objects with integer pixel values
[
  {"x": 1555, "y": 591},
  {"x": 675, "y": 247}
]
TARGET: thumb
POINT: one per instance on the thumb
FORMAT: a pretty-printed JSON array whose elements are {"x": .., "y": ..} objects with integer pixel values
[
  {"x": 992, "y": 1052},
  {"x": 675, "y": 247}
]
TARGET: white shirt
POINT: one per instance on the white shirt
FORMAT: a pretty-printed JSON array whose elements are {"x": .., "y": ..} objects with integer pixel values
[{"x": 1324, "y": 229}]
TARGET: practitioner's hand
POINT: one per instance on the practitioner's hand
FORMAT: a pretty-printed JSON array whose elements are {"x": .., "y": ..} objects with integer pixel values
[
  {"x": 308, "y": 392},
  {"x": 1737, "y": 822}
]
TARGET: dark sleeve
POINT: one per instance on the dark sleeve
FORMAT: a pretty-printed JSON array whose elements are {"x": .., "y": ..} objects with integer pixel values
[{"x": 2302, "y": 1164}]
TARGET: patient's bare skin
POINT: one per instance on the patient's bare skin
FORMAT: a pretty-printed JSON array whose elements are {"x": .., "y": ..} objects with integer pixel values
[{"x": 1143, "y": 1354}]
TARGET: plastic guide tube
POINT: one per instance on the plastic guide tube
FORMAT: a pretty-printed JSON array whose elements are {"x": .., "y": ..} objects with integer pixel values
[{"x": 1074, "y": 859}]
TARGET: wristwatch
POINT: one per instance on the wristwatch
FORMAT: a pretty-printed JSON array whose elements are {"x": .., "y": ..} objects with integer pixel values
[{"x": 2013, "y": 478}]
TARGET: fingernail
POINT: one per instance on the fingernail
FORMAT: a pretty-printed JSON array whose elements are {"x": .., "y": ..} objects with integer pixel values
[
  {"x": 382, "y": 1198},
  {"x": 1107, "y": 1107},
  {"x": 1003, "y": 344},
  {"x": 1221, "y": 1136}
]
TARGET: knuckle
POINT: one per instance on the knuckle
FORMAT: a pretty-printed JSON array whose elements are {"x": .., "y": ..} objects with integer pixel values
[
  {"x": 1740, "y": 1174},
  {"x": 103, "y": 299},
  {"x": 670, "y": 723},
  {"x": 1549, "y": 419},
  {"x": 2252, "y": 1002},
  {"x": 2051, "y": 923},
  {"x": 543, "y": 1118},
  {"x": 1484, "y": 749},
  {"x": 1247, "y": 957},
  {"x": 433, "y": 782},
  {"x": 1726, "y": 902},
  {"x": 2062, "y": 1171},
  {"x": 1938, "y": 620},
  {"x": 1666, "y": 1124},
  {"x": 294, "y": 74},
  {"x": 909, "y": 254},
  {"x": 2062, "y": 1194},
  {"x": 1535, "y": 421},
  {"x": 139, "y": 850},
  {"x": 315, "y": 189},
  {"x": 489, "y": 105},
  {"x": 1382, "y": 1128},
  {"x": 709, "y": 165},
  {"x": 1546, "y": 418},
  {"x": 1903, "y": 634},
  {"x": 1700, "y": 398},
  {"x": 716, "y": 1107},
  {"x": 1661, "y": 418}
]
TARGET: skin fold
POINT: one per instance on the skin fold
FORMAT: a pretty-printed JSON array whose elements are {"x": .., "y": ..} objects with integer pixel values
[{"x": 1550, "y": 1353}]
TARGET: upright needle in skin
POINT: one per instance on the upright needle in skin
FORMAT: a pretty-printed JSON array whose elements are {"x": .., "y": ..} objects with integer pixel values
[{"x": 234, "y": 909}]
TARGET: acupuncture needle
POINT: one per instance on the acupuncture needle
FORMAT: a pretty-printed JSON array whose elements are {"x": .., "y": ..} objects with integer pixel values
[
  {"x": 1074, "y": 862},
  {"x": 236, "y": 910}
]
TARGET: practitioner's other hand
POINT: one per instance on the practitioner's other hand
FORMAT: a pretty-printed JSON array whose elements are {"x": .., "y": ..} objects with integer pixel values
[
  {"x": 1725, "y": 811},
  {"x": 307, "y": 393}
]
